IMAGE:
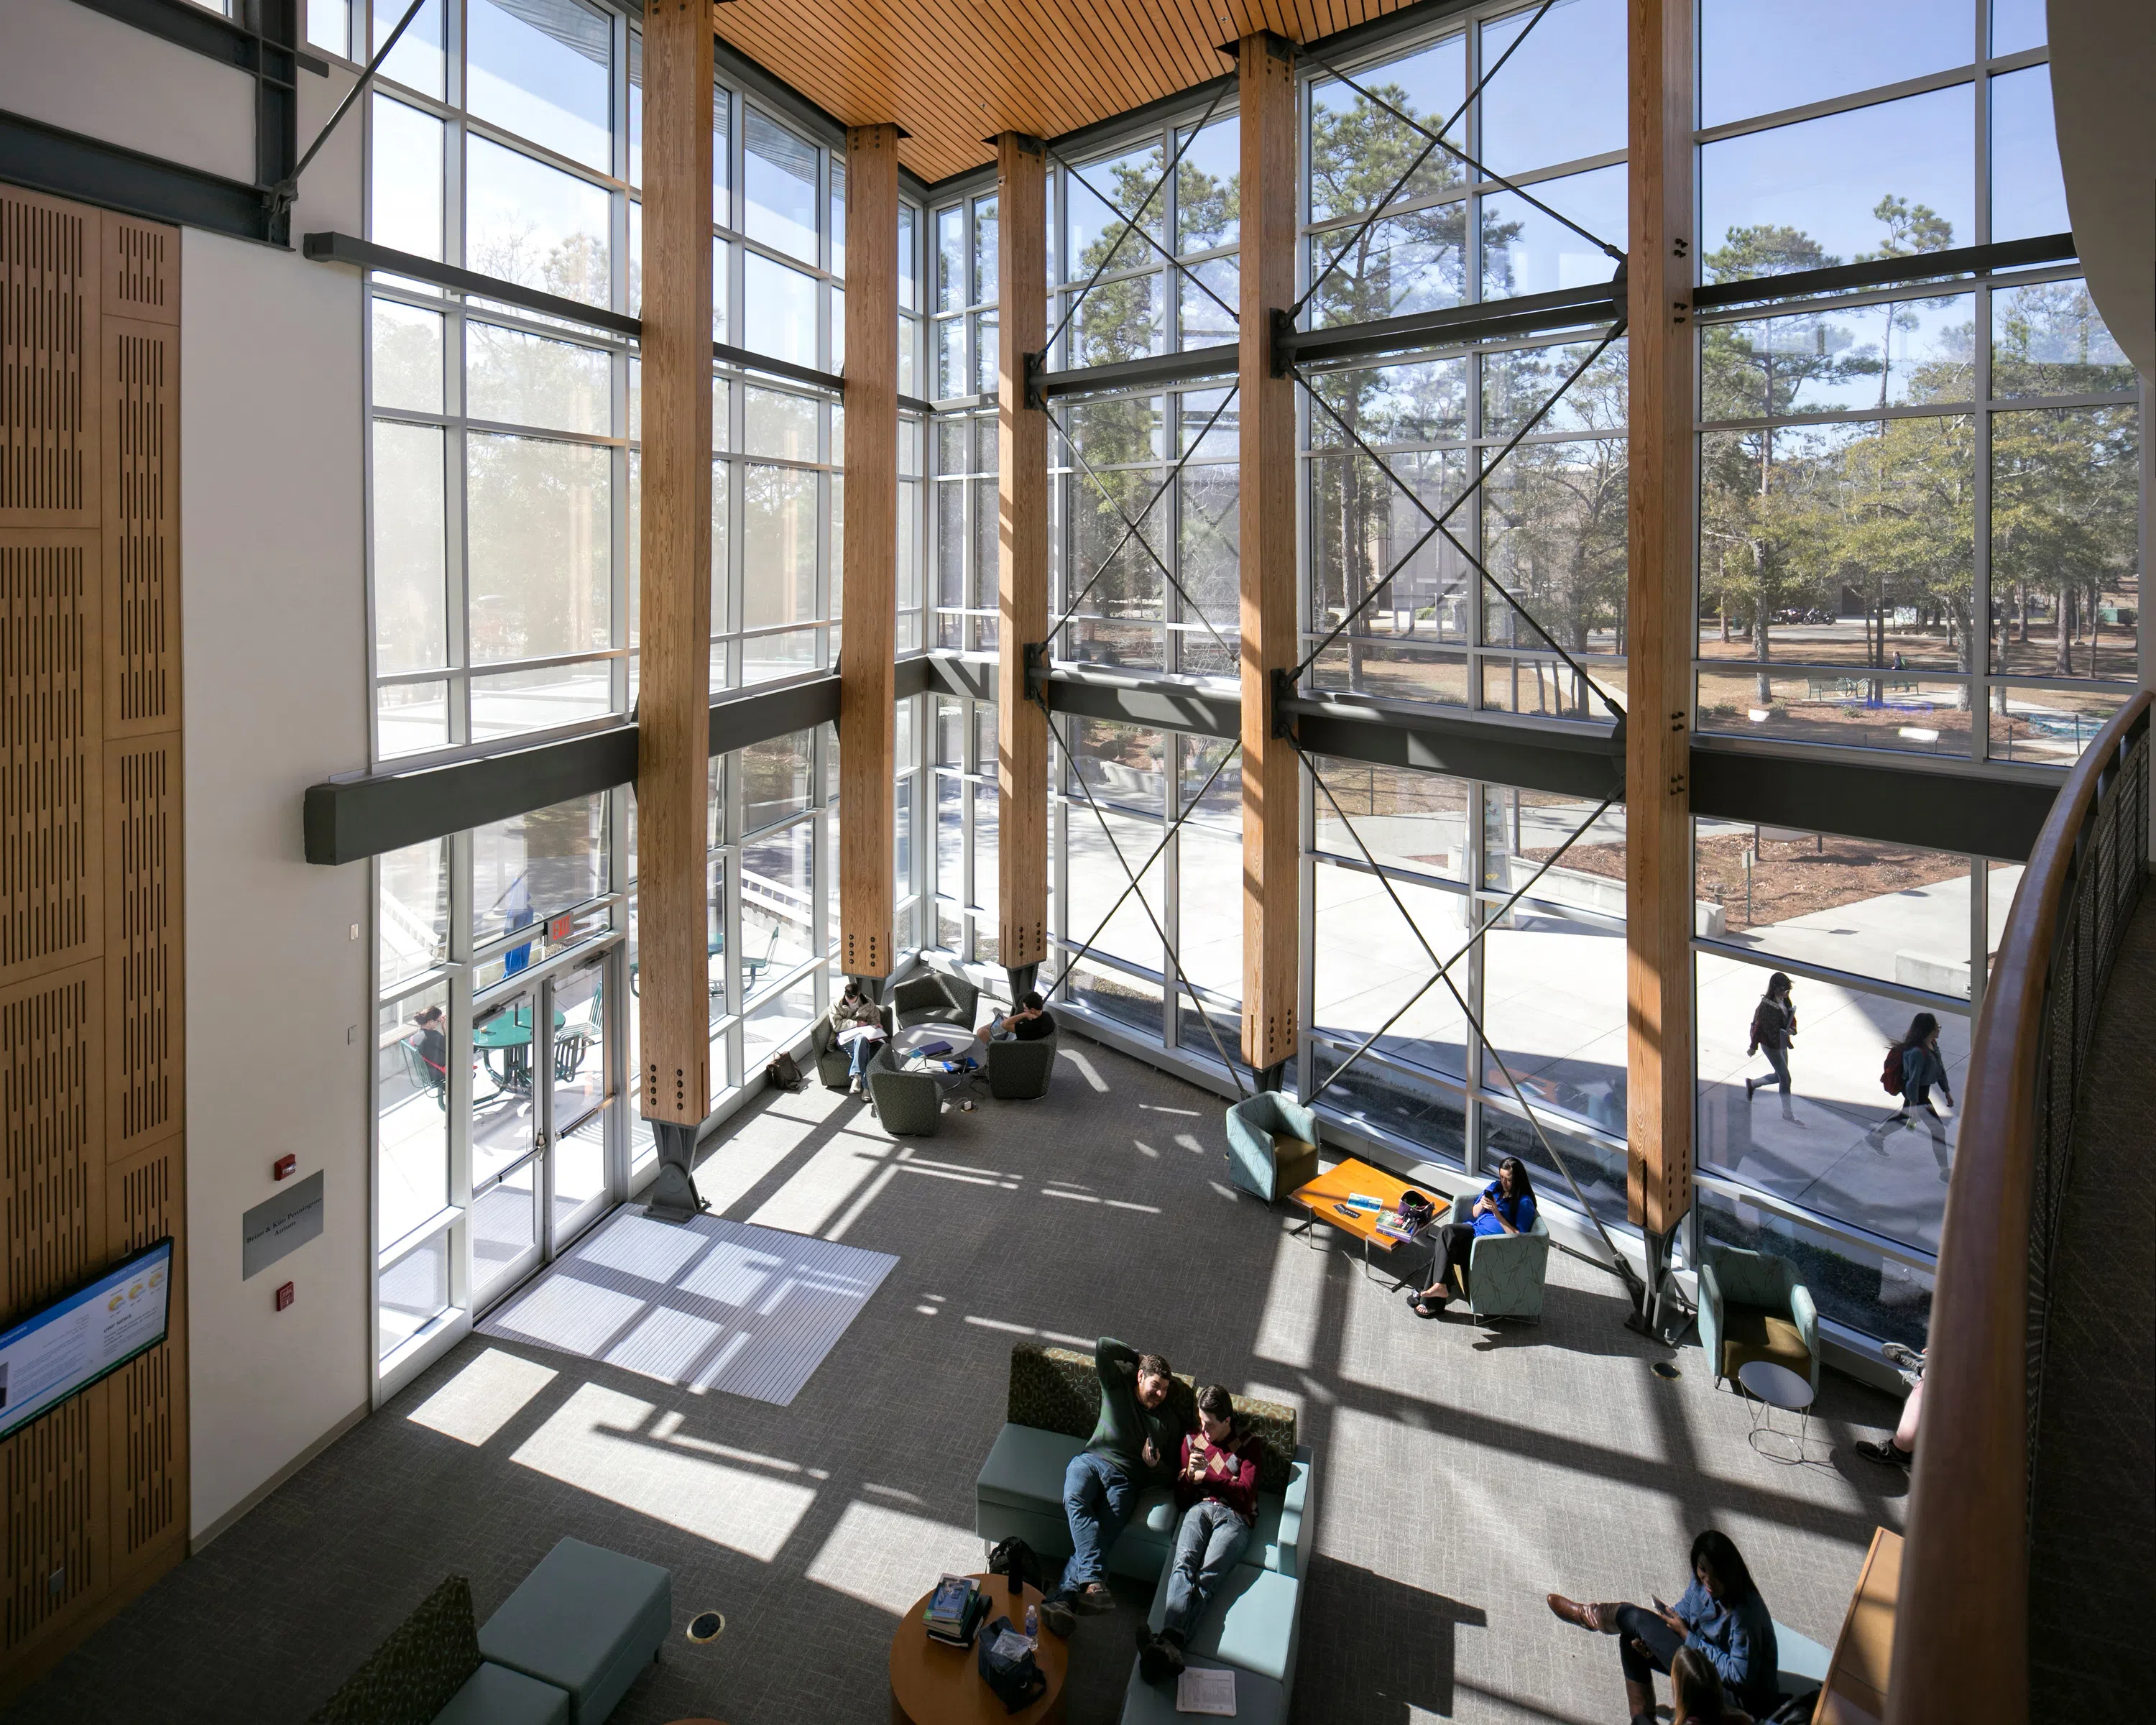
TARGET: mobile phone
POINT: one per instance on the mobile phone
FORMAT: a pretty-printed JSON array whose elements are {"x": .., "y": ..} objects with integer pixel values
[{"x": 1659, "y": 1606}]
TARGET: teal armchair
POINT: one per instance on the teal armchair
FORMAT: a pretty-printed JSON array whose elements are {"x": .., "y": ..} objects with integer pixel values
[
  {"x": 1505, "y": 1272},
  {"x": 1272, "y": 1145},
  {"x": 935, "y": 997},
  {"x": 1751, "y": 1306},
  {"x": 1020, "y": 1072},
  {"x": 905, "y": 1103}
]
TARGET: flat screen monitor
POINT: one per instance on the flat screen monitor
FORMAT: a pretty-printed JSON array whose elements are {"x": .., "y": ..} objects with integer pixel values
[{"x": 64, "y": 1348}]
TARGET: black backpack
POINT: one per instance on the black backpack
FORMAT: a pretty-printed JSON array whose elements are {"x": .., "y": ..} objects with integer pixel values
[
  {"x": 1017, "y": 1681},
  {"x": 784, "y": 1073},
  {"x": 1015, "y": 1559}
]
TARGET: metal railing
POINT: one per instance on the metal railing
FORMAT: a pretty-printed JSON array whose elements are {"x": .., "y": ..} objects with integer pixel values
[{"x": 1961, "y": 1640}]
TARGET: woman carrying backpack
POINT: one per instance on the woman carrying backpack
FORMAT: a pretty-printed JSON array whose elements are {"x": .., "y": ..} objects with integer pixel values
[
  {"x": 1921, "y": 1070},
  {"x": 1774, "y": 1029}
]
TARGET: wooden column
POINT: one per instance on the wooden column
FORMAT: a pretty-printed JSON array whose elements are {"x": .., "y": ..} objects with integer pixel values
[
  {"x": 674, "y": 703},
  {"x": 867, "y": 717},
  {"x": 1660, "y": 623},
  {"x": 1271, "y": 791},
  {"x": 1021, "y": 558}
]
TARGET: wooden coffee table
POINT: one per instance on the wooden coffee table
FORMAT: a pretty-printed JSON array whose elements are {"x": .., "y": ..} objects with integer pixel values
[
  {"x": 1324, "y": 1199},
  {"x": 935, "y": 1684}
]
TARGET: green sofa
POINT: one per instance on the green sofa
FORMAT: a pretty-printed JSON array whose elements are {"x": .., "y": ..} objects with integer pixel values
[{"x": 1255, "y": 1622}]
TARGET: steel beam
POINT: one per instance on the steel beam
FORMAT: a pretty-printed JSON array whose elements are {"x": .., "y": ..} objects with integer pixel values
[
  {"x": 1888, "y": 272},
  {"x": 1457, "y": 326},
  {"x": 67, "y": 164}
]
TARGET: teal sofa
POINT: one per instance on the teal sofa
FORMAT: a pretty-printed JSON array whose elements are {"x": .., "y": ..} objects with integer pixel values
[
  {"x": 1255, "y": 1622},
  {"x": 1505, "y": 1272},
  {"x": 563, "y": 1650}
]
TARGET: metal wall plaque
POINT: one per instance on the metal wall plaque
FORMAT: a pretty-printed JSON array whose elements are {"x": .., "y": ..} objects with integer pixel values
[{"x": 279, "y": 1224}]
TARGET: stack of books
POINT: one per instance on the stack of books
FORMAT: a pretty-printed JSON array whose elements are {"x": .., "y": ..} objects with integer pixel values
[{"x": 954, "y": 1610}]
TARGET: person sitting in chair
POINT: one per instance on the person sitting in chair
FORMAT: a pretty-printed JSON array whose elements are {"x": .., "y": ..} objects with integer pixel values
[
  {"x": 852, "y": 1010},
  {"x": 1027, "y": 1022},
  {"x": 1696, "y": 1696},
  {"x": 1507, "y": 1206},
  {"x": 1721, "y": 1616},
  {"x": 1129, "y": 1448},
  {"x": 1216, "y": 1489},
  {"x": 432, "y": 1045}
]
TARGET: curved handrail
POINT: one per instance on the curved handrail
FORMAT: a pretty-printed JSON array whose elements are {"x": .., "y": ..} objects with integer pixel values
[{"x": 1961, "y": 1636}]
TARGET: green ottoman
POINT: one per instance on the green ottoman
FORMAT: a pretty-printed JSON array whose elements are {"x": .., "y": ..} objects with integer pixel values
[
  {"x": 494, "y": 1695},
  {"x": 586, "y": 1620},
  {"x": 1259, "y": 1701}
]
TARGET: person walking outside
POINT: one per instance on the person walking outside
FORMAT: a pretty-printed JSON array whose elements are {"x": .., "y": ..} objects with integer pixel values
[
  {"x": 1923, "y": 1071},
  {"x": 1774, "y": 1029}
]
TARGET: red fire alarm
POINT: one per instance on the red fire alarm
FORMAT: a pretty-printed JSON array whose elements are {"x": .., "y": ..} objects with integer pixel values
[
  {"x": 284, "y": 1296},
  {"x": 284, "y": 1168}
]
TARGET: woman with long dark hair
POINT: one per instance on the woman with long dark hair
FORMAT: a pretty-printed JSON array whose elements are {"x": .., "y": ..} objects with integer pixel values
[
  {"x": 1507, "y": 1206},
  {"x": 1922, "y": 1070},
  {"x": 1721, "y": 1617},
  {"x": 1696, "y": 1696},
  {"x": 1774, "y": 1029}
]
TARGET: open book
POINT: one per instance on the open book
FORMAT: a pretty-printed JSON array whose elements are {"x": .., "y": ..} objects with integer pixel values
[
  {"x": 859, "y": 1032},
  {"x": 1206, "y": 1691}
]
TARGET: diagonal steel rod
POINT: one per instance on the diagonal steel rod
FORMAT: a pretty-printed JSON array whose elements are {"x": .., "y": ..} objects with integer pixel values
[
  {"x": 1617, "y": 1258},
  {"x": 1174, "y": 262},
  {"x": 1167, "y": 945},
  {"x": 286, "y": 190},
  {"x": 1167, "y": 174},
  {"x": 1474, "y": 485},
  {"x": 1109, "y": 497},
  {"x": 1132, "y": 526},
  {"x": 1486, "y": 173},
  {"x": 1102, "y": 924},
  {"x": 1370, "y": 217},
  {"x": 1437, "y": 525}
]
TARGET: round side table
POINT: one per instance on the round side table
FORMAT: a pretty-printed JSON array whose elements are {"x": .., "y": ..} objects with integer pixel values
[
  {"x": 1770, "y": 1387},
  {"x": 935, "y": 1684}
]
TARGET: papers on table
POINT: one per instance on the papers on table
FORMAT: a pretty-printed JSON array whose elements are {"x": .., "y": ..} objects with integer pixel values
[{"x": 1206, "y": 1691}]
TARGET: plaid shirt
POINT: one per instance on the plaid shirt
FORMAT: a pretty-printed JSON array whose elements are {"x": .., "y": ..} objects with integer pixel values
[{"x": 1230, "y": 1473}]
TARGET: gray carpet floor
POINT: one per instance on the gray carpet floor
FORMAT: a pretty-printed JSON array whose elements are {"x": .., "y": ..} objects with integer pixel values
[
  {"x": 1462, "y": 1472},
  {"x": 2093, "y": 1525}
]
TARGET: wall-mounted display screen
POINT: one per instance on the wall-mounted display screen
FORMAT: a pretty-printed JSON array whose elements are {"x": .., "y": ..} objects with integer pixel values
[{"x": 63, "y": 1348}]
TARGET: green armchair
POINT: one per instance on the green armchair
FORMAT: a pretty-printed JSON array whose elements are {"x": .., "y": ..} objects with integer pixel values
[
  {"x": 934, "y": 997},
  {"x": 908, "y": 1104},
  {"x": 1505, "y": 1273},
  {"x": 1272, "y": 1145},
  {"x": 1751, "y": 1306},
  {"x": 1020, "y": 1072},
  {"x": 835, "y": 1067}
]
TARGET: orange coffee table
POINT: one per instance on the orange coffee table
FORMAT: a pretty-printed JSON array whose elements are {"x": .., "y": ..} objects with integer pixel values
[
  {"x": 1324, "y": 1199},
  {"x": 933, "y": 1683}
]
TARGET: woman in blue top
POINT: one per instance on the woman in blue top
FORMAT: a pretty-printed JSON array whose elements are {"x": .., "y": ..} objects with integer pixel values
[
  {"x": 1721, "y": 1616},
  {"x": 1507, "y": 1206}
]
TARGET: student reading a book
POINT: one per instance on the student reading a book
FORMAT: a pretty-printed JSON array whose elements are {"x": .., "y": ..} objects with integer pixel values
[
  {"x": 1721, "y": 1617},
  {"x": 1216, "y": 1489},
  {"x": 1507, "y": 1206},
  {"x": 1129, "y": 1450},
  {"x": 853, "y": 1012}
]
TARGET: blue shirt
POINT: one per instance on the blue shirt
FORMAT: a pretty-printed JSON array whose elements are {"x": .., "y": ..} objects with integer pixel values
[
  {"x": 1738, "y": 1640},
  {"x": 1519, "y": 1211}
]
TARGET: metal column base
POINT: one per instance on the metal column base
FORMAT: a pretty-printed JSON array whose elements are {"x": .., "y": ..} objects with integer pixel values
[
  {"x": 1649, "y": 1312},
  {"x": 673, "y": 1196},
  {"x": 1024, "y": 978},
  {"x": 1273, "y": 1077}
]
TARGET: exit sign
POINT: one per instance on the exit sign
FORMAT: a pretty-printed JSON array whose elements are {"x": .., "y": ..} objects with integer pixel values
[{"x": 558, "y": 931}]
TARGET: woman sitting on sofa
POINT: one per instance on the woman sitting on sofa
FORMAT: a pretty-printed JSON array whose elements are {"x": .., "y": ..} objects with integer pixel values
[{"x": 1507, "y": 1206}]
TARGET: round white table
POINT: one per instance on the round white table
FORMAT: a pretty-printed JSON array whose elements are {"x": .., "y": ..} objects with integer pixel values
[
  {"x": 909, "y": 1050},
  {"x": 1770, "y": 1387}
]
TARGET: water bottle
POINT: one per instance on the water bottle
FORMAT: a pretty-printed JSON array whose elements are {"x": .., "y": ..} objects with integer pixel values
[{"x": 1033, "y": 1624}]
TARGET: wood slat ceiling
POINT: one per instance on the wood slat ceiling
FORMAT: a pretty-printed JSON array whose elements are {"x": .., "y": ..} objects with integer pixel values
[{"x": 953, "y": 73}]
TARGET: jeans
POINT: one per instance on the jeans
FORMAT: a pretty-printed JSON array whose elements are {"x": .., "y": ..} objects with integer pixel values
[
  {"x": 1098, "y": 1497},
  {"x": 1637, "y": 1623},
  {"x": 864, "y": 1050},
  {"x": 1212, "y": 1537},
  {"x": 1778, "y": 1059}
]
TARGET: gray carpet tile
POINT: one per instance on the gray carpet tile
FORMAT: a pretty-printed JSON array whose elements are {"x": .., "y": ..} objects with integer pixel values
[
  {"x": 2094, "y": 1510},
  {"x": 1463, "y": 1472}
]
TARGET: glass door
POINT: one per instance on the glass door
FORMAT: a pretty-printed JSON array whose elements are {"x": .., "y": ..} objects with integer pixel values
[
  {"x": 580, "y": 1093},
  {"x": 509, "y": 1044}
]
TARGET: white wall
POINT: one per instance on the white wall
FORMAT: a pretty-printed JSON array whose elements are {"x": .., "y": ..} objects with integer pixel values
[
  {"x": 2103, "y": 89},
  {"x": 79, "y": 70},
  {"x": 275, "y": 649}
]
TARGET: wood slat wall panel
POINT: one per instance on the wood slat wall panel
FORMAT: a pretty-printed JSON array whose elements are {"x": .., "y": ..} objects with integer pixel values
[
  {"x": 49, "y": 406},
  {"x": 92, "y": 1155},
  {"x": 141, "y": 412},
  {"x": 956, "y": 73},
  {"x": 51, "y": 752}
]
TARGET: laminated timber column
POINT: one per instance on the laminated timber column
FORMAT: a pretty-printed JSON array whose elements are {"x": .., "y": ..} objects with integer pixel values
[
  {"x": 867, "y": 713},
  {"x": 674, "y": 702},
  {"x": 1266, "y": 81},
  {"x": 1021, "y": 560},
  {"x": 1660, "y": 613}
]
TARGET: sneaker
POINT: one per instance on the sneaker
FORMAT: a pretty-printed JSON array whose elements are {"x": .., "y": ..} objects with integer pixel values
[
  {"x": 1910, "y": 1359},
  {"x": 1887, "y": 1454},
  {"x": 1057, "y": 1618},
  {"x": 1094, "y": 1600}
]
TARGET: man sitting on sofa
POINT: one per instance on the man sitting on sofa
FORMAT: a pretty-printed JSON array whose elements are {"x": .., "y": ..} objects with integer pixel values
[
  {"x": 1131, "y": 1442},
  {"x": 1217, "y": 1492}
]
